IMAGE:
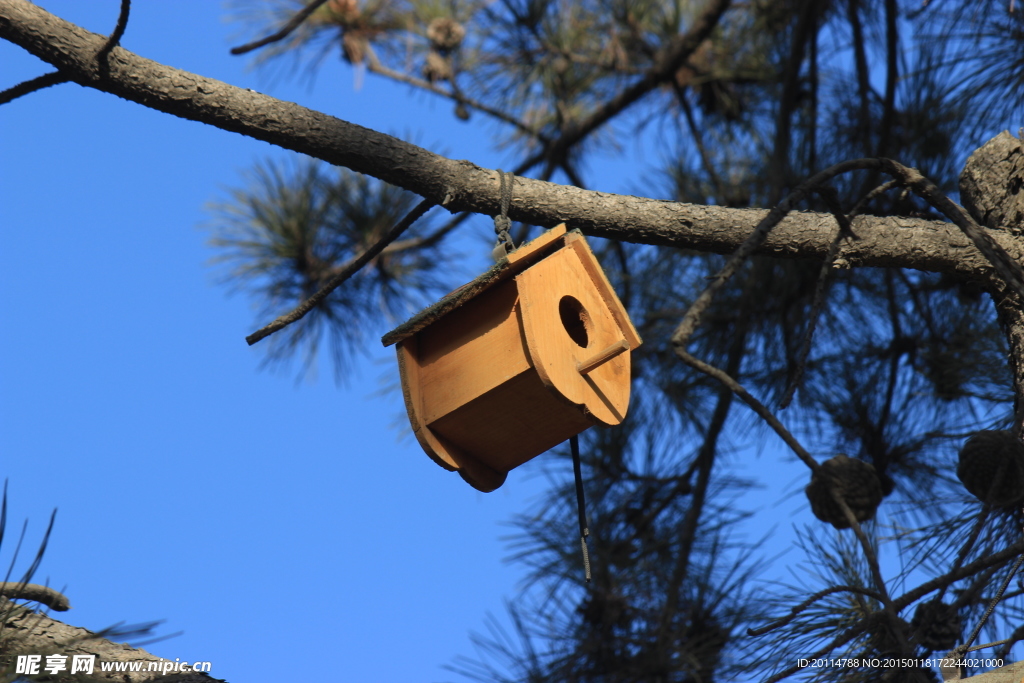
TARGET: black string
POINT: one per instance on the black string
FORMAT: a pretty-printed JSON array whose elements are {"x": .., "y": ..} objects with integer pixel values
[
  {"x": 581, "y": 505},
  {"x": 960, "y": 651}
]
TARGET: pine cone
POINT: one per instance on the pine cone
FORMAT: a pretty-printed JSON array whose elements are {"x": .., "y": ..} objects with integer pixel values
[
  {"x": 992, "y": 467},
  {"x": 437, "y": 68},
  {"x": 857, "y": 484},
  {"x": 445, "y": 34},
  {"x": 937, "y": 625}
]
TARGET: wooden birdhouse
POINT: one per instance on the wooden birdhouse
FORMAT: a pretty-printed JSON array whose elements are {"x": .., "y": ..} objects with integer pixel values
[{"x": 532, "y": 352}]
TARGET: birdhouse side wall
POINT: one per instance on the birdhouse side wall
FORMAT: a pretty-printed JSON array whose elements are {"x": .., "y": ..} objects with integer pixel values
[
  {"x": 512, "y": 423},
  {"x": 469, "y": 352},
  {"x": 441, "y": 451},
  {"x": 408, "y": 368}
]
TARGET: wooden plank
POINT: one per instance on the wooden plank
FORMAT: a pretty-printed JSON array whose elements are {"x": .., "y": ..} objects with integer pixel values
[
  {"x": 408, "y": 368},
  {"x": 505, "y": 269},
  {"x": 513, "y": 423},
  {"x": 537, "y": 248},
  {"x": 471, "y": 351},
  {"x": 448, "y": 456},
  {"x": 604, "y": 392},
  {"x": 607, "y": 292}
]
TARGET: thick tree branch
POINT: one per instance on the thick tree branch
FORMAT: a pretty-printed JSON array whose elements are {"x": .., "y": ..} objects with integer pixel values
[
  {"x": 884, "y": 242},
  {"x": 28, "y": 632}
]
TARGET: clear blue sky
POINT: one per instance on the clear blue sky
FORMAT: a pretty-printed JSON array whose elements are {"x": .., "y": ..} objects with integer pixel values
[{"x": 286, "y": 528}]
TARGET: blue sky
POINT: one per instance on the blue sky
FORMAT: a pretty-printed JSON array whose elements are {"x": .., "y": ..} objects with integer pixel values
[{"x": 282, "y": 526}]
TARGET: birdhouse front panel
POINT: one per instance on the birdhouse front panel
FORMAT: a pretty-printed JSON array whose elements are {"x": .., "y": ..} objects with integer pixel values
[
  {"x": 534, "y": 351},
  {"x": 568, "y": 323}
]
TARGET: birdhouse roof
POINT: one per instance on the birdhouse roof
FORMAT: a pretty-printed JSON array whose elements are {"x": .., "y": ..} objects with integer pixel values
[{"x": 508, "y": 267}]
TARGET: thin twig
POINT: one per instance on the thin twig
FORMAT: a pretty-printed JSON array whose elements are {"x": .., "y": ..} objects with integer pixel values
[
  {"x": 993, "y": 603},
  {"x": 115, "y": 37},
  {"x": 692, "y": 317},
  {"x": 801, "y": 452},
  {"x": 285, "y": 31},
  {"x": 347, "y": 271},
  {"x": 15, "y": 590},
  {"x": 756, "y": 405},
  {"x": 878, "y": 191},
  {"x": 1015, "y": 637},
  {"x": 953, "y": 576},
  {"x": 705, "y": 460},
  {"x": 838, "y": 641},
  {"x": 428, "y": 240},
  {"x": 375, "y": 66},
  {"x": 795, "y": 612},
  {"x": 818, "y": 302},
  {"x": 698, "y": 140},
  {"x": 962, "y": 555},
  {"x": 571, "y": 174},
  {"x": 666, "y": 63},
  {"x": 30, "y": 86}
]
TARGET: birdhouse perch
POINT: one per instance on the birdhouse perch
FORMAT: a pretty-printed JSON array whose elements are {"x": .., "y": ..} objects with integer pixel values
[{"x": 532, "y": 352}]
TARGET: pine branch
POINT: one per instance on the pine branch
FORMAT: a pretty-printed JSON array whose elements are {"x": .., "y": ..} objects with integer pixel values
[
  {"x": 923, "y": 245},
  {"x": 29, "y": 632},
  {"x": 15, "y": 590}
]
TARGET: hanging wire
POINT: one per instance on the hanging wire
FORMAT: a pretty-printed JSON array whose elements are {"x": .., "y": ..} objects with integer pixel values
[
  {"x": 952, "y": 671},
  {"x": 581, "y": 504},
  {"x": 995, "y": 600}
]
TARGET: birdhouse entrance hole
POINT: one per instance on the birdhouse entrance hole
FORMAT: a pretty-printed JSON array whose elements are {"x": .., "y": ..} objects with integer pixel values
[
  {"x": 575, "y": 320},
  {"x": 532, "y": 352}
]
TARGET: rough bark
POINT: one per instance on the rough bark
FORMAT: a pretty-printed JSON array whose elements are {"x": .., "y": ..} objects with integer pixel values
[
  {"x": 991, "y": 190},
  {"x": 992, "y": 183},
  {"x": 29, "y": 632},
  {"x": 16, "y": 590},
  {"x": 464, "y": 186}
]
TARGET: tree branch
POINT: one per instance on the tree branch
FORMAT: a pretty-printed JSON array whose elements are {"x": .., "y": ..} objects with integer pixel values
[
  {"x": 285, "y": 31},
  {"x": 346, "y": 271},
  {"x": 883, "y": 242},
  {"x": 29, "y": 632},
  {"x": 795, "y": 611},
  {"x": 30, "y": 86},
  {"x": 375, "y": 66},
  {"x": 666, "y": 63},
  {"x": 115, "y": 36},
  {"x": 44, "y": 595}
]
